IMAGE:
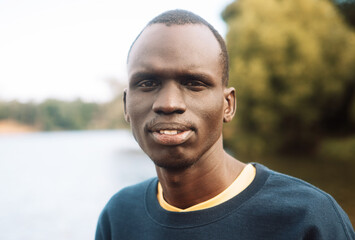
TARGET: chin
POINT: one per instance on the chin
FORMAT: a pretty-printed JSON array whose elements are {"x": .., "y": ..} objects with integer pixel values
[{"x": 173, "y": 161}]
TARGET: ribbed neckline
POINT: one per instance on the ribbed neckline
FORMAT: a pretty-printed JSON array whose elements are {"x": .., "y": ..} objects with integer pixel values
[
  {"x": 202, "y": 217},
  {"x": 242, "y": 181}
]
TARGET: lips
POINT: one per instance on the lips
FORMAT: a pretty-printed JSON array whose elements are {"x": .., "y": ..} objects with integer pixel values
[{"x": 170, "y": 133}]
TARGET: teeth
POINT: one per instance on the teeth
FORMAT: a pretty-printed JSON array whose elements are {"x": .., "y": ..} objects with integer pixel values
[{"x": 168, "y": 132}]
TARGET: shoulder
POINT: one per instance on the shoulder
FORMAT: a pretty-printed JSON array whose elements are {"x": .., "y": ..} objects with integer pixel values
[
  {"x": 130, "y": 195},
  {"x": 287, "y": 191},
  {"x": 124, "y": 206},
  {"x": 291, "y": 188},
  {"x": 291, "y": 199},
  {"x": 127, "y": 200}
]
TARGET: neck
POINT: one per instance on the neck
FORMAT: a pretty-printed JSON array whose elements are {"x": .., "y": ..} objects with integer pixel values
[{"x": 208, "y": 177}]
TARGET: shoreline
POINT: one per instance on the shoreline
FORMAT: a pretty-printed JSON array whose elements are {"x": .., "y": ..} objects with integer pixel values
[{"x": 9, "y": 126}]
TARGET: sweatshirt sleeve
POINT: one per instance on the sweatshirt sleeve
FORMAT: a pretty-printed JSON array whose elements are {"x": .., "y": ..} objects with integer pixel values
[
  {"x": 103, "y": 230},
  {"x": 329, "y": 221},
  {"x": 345, "y": 222}
]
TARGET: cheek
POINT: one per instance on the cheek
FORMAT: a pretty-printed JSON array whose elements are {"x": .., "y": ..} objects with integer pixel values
[
  {"x": 215, "y": 113},
  {"x": 210, "y": 112},
  {"x": 137, "y": 107},
  {"x": 215, "y": 108}
]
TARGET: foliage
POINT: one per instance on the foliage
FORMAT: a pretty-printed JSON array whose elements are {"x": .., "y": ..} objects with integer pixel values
[
  {"x": 53, "y": 114},
  {"x": 292, "y": 63},
  {"x": 25, "y": 113},
  {"x": 50, "y": 114},
  {"x": 347, "y": 9},
  {"x": 110, "y": 115},
  {"x": 59, "y": 115}
]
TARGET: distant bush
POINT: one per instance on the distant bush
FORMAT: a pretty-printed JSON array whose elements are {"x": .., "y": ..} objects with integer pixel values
[
  {"x": 54, "y": 115},
  {"x": 109, "y": 115},
  {"x": 60, "y": 115},
  {"x": 292, "y": 64}
]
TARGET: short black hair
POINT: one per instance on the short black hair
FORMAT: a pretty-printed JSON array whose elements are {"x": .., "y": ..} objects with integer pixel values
[{"x": 182, "y": 17}]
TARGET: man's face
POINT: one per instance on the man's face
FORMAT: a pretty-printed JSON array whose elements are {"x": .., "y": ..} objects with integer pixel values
[{"x": 176, "y": 101}]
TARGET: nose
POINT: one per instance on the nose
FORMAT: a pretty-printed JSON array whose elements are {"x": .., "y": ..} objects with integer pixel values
[{"x": 169, "y": 99}]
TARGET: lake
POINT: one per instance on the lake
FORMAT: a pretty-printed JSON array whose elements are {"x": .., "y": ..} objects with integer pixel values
[{"x": 54, "y": 185}]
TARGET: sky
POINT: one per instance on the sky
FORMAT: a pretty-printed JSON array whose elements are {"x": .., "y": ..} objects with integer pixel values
[{"x": 71, "y": 49}]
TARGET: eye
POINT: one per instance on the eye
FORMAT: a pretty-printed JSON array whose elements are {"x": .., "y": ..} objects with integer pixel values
[
  {"x": 148, "y": 84},
  {"x": 195, "y": 85}
]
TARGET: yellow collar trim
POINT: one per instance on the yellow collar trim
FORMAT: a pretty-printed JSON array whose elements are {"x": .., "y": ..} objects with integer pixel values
[{"x": 244, "y": 179}]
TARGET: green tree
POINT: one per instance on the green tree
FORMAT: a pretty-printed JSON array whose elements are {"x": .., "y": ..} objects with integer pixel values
[
  {"x": 22, "y": 112},
  {"x": 111, "y": 114},
  {"x": 292, "y": 63},
  {"x": 61, "y": 115}
]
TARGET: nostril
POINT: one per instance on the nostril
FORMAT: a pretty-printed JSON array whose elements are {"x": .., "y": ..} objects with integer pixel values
[
  {"x": 169, "y": 110},
  {"x": 180, "y": 111},
  {"x": 168, "y": 107}
]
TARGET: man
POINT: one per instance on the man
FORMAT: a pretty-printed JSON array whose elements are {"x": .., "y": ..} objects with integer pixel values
[{"x": 176, "y": 103}]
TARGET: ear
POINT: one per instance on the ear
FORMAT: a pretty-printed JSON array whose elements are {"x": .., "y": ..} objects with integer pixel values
[
  {"x": 230, "y": 104},
  {"x": 126, "y": 115}
]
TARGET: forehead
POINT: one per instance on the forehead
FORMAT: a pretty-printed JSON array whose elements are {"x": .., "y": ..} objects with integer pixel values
[{"x": 177, "y": 46}]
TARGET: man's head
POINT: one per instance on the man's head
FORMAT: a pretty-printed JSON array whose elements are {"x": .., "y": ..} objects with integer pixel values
[
  {"x": 176, "y": 101},
  {"x": 182, "y": 17}
]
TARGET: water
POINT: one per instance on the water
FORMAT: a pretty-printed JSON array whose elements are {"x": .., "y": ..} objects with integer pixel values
[{"x": 54, "y": 185}]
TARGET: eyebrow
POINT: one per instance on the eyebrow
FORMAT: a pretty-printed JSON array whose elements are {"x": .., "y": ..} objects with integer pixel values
[
  {"x": 179, "y": 76},
  {"x": 142, "y": 75},
  {"x": 205, "y": 78}
]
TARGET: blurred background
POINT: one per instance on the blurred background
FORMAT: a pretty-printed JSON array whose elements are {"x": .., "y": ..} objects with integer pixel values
[{"x": 65, "y": 148}]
